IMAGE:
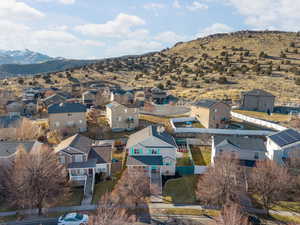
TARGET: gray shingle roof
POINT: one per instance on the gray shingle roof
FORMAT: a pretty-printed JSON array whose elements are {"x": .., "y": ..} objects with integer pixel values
[
  {"x": 143, "y": 135},
  {"x": 258, "y": 92},
  {"x": 80, "y": 142},
  {"x": 285, "y": 137},
  {"x": 101, "y": 153},
  {"x": 145, "y": 160},
  {"x": 241, "y": 142},
  {"x": 207, "y": 103},
  {"x": 87, "y": 164},
  {"x": 54, "y": 99},
  {"x": 66, "y": 107},
  {"x": 8, "y": 148}
]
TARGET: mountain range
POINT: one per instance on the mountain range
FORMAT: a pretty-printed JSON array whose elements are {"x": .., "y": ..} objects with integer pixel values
[{"x": 26, "y": 62}]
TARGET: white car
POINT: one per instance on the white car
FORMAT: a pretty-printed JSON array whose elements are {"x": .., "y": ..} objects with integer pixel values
[{"x": 73, "y": 219}]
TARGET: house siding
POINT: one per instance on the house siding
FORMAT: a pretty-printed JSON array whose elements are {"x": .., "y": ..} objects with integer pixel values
[
  {"x": 65, "y": 119},
  {"x": 212, "y": 117},
  {"x": 117, "y": 117}
]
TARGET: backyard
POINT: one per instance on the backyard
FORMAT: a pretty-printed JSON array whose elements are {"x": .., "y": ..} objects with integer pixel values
[
  {"x": 276, "y": 117},
  {"x": 189, "y": 124},
  {"x": 201, "y": 155},
  {"x": 184, "y": 160},
  {"x": 181, "y": 190}
]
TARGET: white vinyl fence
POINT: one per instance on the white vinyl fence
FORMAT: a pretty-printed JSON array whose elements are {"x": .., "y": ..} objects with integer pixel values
[
  {"x": 259, "y": 122},
  {"x": 200, "y": 169}
]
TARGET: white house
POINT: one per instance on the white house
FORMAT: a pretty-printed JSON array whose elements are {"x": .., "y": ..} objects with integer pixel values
[
  {"x": 153, "y": 150},
  {"x": 282, "y": 144},
  {"x": 84, "y": 158},
  {"x": 246, "y": 149}
]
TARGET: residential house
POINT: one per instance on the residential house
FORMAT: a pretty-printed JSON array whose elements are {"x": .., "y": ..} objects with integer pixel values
[
  {"x": 84, "y": 158},
  {"x": 66, "y": 115},
  {"x": 30, "y": 107},
  {"x": 122, "y": 96},
  {"x": 8, "y": 149},
  {"x": 258, "y": 100},
  {"x": 9, "y": 126},
  {"x": 53, "y": 99},
  {"x": 211, "y": 113},
  {"x": 248, "y": 150},
  {"x": 14, "y": 108},
  {"x": 139, "y": 97},
  {"x": 121, "y": 117},
  {"x": 283, "y": 145},
  {"x": 89, "y": 97},
  {"x": 158, "y": 96},
  {"x": 152, "y": 150}
]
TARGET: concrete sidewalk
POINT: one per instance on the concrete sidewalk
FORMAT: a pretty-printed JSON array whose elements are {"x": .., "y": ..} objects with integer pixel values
[{"x": 151, "y": 206}]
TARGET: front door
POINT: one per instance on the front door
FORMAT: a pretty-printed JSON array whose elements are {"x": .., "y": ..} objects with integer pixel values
[{"x": 90, "y": 172}]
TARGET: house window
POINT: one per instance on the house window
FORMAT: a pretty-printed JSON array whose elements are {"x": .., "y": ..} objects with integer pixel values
[
  {"x": 256, "y": 155},
  {"x": 154, "y": 151},
  {"x": 119, "y": 118},
  {"x": 57, "y": 124},
  {"x": 69, "y": 114},
  {"x": 138, "y": 151},
  {"x": 62, "y": 159},
  {"x": 80, "y": 121},
  {"x": 221, "y": 151},
  {"x": 78, "y": 158}
]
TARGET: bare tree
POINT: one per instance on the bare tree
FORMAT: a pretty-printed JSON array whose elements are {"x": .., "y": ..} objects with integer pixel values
[
  {"x": 37, "y": 179},
  {"x": 101, "y": 98},
  {"x": 28, "y": 130},
  {"x": 110, "y": 212},
  {"x": 222, "y": 183},
  {"x": 232, "y": 214},
  {"x": 133, "y": 188},
  {"x": 270, "y": 182}
]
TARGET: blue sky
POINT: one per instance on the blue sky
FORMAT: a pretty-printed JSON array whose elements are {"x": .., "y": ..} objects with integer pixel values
[{"x": 107, "y": 28}]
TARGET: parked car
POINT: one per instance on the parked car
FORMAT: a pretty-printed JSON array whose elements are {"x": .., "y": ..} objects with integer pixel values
[
  {"x": 73, "y": 219},
  {"x": 254, "y": 220}
]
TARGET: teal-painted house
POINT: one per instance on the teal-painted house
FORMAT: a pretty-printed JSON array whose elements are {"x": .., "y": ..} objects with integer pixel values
[{"x": 152, "y": 150}]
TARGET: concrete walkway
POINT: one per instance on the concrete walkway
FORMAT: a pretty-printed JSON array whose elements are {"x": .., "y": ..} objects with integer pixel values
[{"x": 151, "y": 206}]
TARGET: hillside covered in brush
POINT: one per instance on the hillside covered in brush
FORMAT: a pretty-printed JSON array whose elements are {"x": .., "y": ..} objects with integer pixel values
[{"x": 218, "y": 66}]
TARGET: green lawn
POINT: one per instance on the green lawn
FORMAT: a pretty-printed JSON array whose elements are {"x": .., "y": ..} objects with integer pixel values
[
  {"x": 201, "y": 155},
  {"x": 102, "y": 188},
  {"x": 181, "y": 190}
]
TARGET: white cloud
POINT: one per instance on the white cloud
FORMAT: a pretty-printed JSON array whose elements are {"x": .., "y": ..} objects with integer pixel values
[
  {"x": 67, "y": 2},
  {"x": 214, "y": 29},
  {"x": 132, "y": 47},
  {"x": 119, "y": 27},
  {"x": 176, "y": 4},
  {"x": 269, "y": 14},
  {"x": 55, "y": 42},
  {"x": 13, "y": 10},
  {"x": 195, "y": 6},
  {"x": 154, "y": 6},
  {"x": 169, "y": 37}
]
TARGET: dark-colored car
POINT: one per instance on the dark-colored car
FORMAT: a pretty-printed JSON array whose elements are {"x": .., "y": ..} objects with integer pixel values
[{"x": 254, "y": 220}]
